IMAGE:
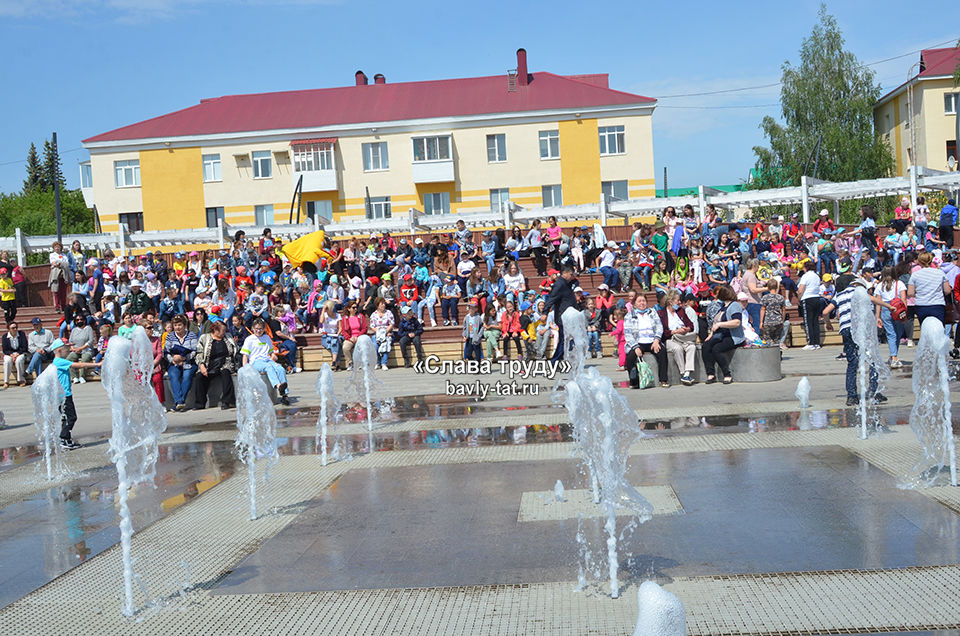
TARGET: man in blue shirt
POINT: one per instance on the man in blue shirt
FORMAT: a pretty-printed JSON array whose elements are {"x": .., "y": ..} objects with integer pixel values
[{"x": 948, "y": 218}]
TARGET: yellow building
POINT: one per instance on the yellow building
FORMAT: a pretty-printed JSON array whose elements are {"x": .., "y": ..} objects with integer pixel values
[
  {"x": 373, "y": 149},
  {"x": 919, "y": 117}
]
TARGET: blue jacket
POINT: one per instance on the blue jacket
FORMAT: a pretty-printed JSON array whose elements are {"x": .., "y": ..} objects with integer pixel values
[
  {"x": 948, "y": 215},
  {"x": 409, "y": 327}
]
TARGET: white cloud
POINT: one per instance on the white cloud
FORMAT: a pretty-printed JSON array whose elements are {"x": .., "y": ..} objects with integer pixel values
[{"x": 127, "y": 10}]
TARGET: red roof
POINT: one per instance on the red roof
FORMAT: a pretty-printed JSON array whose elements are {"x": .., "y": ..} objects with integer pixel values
[
  {"x": 934, "y": 62},
  {"x": 327, "y": 107}
]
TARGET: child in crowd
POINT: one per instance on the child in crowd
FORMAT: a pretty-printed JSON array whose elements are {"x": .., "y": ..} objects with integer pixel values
[
  {"x": 491, "y": 332},
  {"x": 127, "y": 326},
  {"x": 593, "y": 329},
  {"x": 772, "y": 310},
  {"x": 106, "y": 331},
  {"x": 473, "y": 332}
]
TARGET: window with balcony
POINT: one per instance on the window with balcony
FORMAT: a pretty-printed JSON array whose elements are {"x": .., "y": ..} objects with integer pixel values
[
  {"x": 86, "y": 175},
  {"x": 950, "y": 104},
  {"x": 133, "y": 221},
  {"x": 212, "y": 170},
  {"x": 499, "y": 197},
  {"x": 214, "y": 215},
  {"x": 312, "y": 157},
  {"x": 552, "y": 196},
  {"x": 496, "y": 148},
  {"x": 263, "y": 214},
  {"x": 320, "y": 209},
  {"x": 611, "y": 140},
  {"x": 262, "y": 166},
  {"x": 378, "y": 208},
  {"x": 375, "y": 156},
  {"x": 436, "y": 203},
  {"x": 126, "y": 174},
  {"x": 431, "y": 148},
  {"x": 549, "y": 144},
  {"x": 615, "y": 190}
]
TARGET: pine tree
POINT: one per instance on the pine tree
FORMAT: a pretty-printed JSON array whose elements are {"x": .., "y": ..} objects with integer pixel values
[
  {"x": 34, "y": 169},
  {"x": 51, "y": 168}
]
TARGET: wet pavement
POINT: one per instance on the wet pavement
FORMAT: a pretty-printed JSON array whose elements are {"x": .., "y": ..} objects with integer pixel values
[
  {"x": 57, "y": 529},
  {"x": 757, "y": 510},
  {"x": 63, "y": 526}
]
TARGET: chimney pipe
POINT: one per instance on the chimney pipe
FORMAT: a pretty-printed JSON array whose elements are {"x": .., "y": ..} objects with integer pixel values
[
  {"x": 361, "y": 78},
  {"x": 379, "y": 79},
  {"x": 522, "y": 79}
]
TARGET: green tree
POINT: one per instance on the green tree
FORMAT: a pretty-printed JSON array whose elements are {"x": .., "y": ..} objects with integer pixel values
[
  {"x": 52, "y": 167},
  {"x": 828, "y": 96},
  {"x": 34, "y": 170}
]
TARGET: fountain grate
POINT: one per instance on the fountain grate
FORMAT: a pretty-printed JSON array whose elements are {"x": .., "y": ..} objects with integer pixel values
[{"x": 542, "y": 506}]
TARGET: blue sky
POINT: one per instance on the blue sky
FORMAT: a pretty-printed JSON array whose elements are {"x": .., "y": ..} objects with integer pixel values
[{"x": 82, "y": 68}]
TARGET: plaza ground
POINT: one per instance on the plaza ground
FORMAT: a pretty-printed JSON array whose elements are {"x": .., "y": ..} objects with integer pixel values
[{"x": 766, "y": 521}]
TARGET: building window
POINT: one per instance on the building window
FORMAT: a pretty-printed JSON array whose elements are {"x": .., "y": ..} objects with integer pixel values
[
  {"x": 262, "y": 168},
  {"x": 615, "y": 190},
  {"x": 133, "y": 221},
  {"x": 214, "y": 215},
  {"x": 263, "y": 214},
  {"x": 375, "y": 156},
  {"x": 126, "y": 174},
  {"x": 321, "y": 209},
  {"x": 952, "y": 152},
  {"x": 549, "y": 144},
  {"x": 611, "y": 140},
  {"x": 496, "y": 148},
  {"x": 378, "y": 208},
  {"x": 312, "y": 157},
  {"x": 211, "y": 168},
  {"x": 86, "y": 175},
  {"x": 431, "y": 148},
  {"x": 436, "y": 203},
  {"x": 498, "y": 198},
  {"x": 950, "y": 104},
  {"x": 552, "y": 196}
]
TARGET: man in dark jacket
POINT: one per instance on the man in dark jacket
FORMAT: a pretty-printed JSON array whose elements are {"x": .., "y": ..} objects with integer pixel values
[
  {"x": 14, "y": 354},
  {"x": 560, "y": 298},
  {"x": 408, "y": 331}
]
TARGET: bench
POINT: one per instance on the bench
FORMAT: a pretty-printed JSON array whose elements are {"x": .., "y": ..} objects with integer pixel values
[
  {"x": 213, "y": 393},
  {"x": 749, "y": 364}
]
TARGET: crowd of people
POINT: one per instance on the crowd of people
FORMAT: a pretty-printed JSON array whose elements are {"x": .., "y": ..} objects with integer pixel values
[{"x": 718, "y": 284}]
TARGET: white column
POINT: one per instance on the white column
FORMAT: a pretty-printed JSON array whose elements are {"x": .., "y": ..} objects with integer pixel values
[
  {"x": 836, "y": 211},
  {"x": 603, "y": 210},
  {"x": 21, "y": 252},
  {"x": 805, "y": 198},
  {"x": 913, "y": 187},
  {"x": 122, "y": 233},
  {"x": 220, "y": 232},
  {"x": 702, "y": 202}
]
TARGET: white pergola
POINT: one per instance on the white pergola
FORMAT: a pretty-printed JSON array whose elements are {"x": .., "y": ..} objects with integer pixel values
[{"x": 810, "y": 192}]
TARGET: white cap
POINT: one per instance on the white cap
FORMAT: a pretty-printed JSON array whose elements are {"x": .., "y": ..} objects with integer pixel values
[
  {"x": 612, "y": 244},
  {"x": 824, "y": 212},
  {"x": 603, "y": 286},
  {"x": 578, "y": 289}
]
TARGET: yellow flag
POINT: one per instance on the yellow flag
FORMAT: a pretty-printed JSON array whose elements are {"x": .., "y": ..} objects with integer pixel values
[{"x": 306, "y": 249}]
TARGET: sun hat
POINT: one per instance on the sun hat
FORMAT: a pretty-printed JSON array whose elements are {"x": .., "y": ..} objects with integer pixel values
[
  {"x": 418, "y": 241},
  {"x": 56, "y": 344},
  {"x": 387, "y": 276},
  {"x": 525, "y": 305},
  {"x": 824, "y": 212},
  {"x": 135, "y": 283}
]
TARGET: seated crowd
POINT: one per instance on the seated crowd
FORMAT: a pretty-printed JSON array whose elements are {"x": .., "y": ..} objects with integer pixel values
[{"x": 720, "y": 284}]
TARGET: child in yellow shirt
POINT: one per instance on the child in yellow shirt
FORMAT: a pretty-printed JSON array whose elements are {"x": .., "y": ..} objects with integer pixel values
[{"x": 8, "y": 296}]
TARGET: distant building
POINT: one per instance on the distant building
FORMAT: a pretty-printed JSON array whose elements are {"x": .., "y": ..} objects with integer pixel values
[
  {"x": 375, "y": 148},
  {"x": 927, "y": 135}
]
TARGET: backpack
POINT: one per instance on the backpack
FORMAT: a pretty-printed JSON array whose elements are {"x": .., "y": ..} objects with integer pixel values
[{"x": 956, "y": 292}]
